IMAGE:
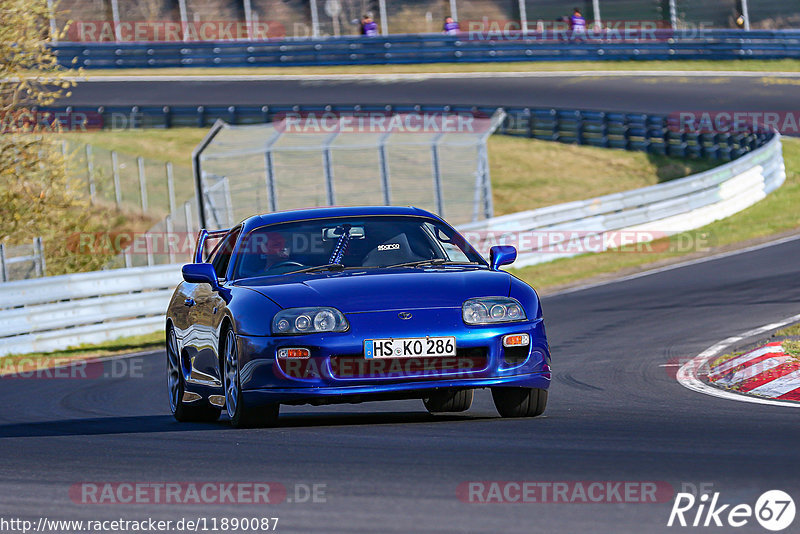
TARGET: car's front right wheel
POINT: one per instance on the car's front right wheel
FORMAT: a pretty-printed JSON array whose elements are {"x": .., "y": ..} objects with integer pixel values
[
  {"x": 242, "y": 416},
  {"x": 519, "y": 402}
]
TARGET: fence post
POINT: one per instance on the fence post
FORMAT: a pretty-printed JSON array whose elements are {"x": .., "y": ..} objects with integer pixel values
[
  {"x": 115, "y": 19},
  {"x": 142, "y": 183},
  {"x": 148, "y": 244},
  {"x": 187, "y": 213},
  {"x": 387, "y": 196},
  {"x": 90, "y": 172},
  {"x": 453, "y": 10},
  {"x": 115, "y": 173},
  {"x": 598, "y": 22},
  {"x": 437, "y": 176},
  {"x": 384, "y": 18},
  {"x": 3, "y": 266},
  {"x": 673, "y": 14},
  {"x": 746, "y": 15},
  {"x": 248, "y": 19},
  {"x": 53, "y": 27},
  {"x": 38, "y": 252},
  {"x": 184, "y": 19},
  {"x": 523, "y": 16},
  {"x": 168, "y": 241},
  {"x": 314, "y": 19},
  {"x": 271, "y": 190}
]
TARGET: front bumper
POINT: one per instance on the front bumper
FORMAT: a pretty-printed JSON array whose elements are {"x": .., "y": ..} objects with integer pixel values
[{"x": 337, "y": 367}]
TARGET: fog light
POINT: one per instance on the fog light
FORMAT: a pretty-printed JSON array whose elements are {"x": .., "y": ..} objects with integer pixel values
[
  {"x": 516, "y": 340},
  {"x": 288, "y": 354}
]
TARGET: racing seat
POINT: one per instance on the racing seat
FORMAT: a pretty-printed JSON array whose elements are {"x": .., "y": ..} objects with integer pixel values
[{"x": 390, "y": 252}]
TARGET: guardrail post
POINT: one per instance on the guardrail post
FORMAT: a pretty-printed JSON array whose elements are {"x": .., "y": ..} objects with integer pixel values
[
  {"x": 746, "y": 15},
  {"x": 115, "y": 20},
  {"x": 248, "y": 19},
  {"x": 3, "y": 266},
  {"x": 201, "y": 116},
  {"x": 167, "y": 116},
  {"x": 115, "y": 173},
  {"x": 90, "y": 172},
  {"x": 142, "y": 183},
  {"x": 38, "y": 252},
  {"x": 673, "y": 15}
]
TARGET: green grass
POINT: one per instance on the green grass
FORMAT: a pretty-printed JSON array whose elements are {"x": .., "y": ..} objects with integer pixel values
[
  {"x": 793, "y": 330},
  {"x": 778, "y": 65},
  {"x": 791, "y": 347},
  {"x": 16, "y": 363}
]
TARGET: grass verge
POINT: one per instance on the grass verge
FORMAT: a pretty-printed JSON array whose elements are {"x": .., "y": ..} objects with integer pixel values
[
  {"x": 19, "y": 364},
  {"x": 777, "y": 65},
  {"x": 793, "y": 330}
]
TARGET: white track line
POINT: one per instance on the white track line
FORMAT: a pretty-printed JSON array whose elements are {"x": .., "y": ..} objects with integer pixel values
[
  {"x": 687, "y": 374},
  {"x": 424, "y": 76}
]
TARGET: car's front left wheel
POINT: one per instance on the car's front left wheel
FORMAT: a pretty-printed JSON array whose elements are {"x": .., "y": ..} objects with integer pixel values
[
  {"x": 242, "y": 415},
  {"x": 200, "y": 411}
]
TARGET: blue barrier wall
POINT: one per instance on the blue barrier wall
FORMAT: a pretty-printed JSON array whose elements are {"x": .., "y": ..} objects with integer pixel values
[
  {"x": 653, "y": 45},
  {"x": 656, "y": 134}
]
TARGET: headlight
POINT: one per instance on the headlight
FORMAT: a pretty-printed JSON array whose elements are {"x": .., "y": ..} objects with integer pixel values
[
  {"x": 490, "y": 310},
  {"x": 309, "y": 321}
]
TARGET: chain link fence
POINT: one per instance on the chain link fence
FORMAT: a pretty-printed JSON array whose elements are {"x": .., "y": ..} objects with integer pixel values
[{"x": 209, "y": 20}]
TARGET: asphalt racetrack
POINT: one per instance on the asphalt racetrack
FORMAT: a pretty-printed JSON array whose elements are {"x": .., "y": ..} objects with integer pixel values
[
  {"x": 645, "y": 94},
  {"x": 615, "y": 414}
]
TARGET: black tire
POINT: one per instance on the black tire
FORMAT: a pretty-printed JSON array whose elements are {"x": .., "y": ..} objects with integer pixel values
[
  {"x": 198, "y": 412},
  {"x": 449, "y": 400},
  {"x": 242, "y": 415},
  {"x": 519, "y": 402}
]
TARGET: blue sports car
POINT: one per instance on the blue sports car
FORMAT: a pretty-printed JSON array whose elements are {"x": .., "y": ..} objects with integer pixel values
[{"x": 345, "y": 305}]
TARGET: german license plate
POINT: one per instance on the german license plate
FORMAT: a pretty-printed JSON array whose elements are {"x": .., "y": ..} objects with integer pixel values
[{"x": 410, "y": 347}]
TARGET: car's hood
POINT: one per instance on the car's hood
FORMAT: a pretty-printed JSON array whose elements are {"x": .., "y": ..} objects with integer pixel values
[{"x": 384, "y": 289}]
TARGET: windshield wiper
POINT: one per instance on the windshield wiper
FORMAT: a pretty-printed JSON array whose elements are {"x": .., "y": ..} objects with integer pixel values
[
  {"x": 434, "y": 262},
  {"x": 326, "y": 267}
]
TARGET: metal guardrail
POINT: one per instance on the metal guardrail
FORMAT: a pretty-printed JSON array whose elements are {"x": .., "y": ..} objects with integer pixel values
[
  {"x": 658, "y": 211},
  {"x": 57, "y": 312},
  {"x": 433, "y": 48}
]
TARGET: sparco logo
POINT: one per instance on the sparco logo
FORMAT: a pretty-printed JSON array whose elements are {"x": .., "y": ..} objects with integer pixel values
[{"x": 774, "y": 510}]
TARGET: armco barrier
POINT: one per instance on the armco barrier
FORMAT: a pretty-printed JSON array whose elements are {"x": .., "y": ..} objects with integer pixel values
[
  {"x": 57, "y": 312},
  {"x": 432, "y": 48},
  {"x": 659, "y": 210}
]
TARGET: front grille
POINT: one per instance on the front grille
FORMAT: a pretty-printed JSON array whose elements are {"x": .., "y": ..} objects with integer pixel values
[{"x": 466, "y": 361}]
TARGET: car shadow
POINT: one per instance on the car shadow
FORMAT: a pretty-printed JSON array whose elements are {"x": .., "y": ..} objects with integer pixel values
[{"x": 147, "y": 424}]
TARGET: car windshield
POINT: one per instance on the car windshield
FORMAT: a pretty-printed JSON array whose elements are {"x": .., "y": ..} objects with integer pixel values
[{"x": 346, "y": 243}]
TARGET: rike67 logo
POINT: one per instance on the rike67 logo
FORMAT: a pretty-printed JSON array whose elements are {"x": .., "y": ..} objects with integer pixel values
[{"x": 774, "y": 510}]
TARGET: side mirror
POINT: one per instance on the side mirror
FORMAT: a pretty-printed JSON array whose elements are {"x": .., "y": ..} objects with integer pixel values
[
  {"x": 200, "y": 273},
  {"x": 502, "y": 255}
]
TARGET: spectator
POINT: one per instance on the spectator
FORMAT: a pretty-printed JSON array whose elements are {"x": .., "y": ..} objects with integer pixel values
[
  {"x": 740, "y": 21},
  {"x": 577, "y": 24},
  {"x": 451, "y": 27},
  {"x": 368, "y": 26}
]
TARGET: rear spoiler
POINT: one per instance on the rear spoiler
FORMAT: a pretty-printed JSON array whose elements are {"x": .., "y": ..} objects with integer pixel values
[{"x": 201, "y": 242}]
